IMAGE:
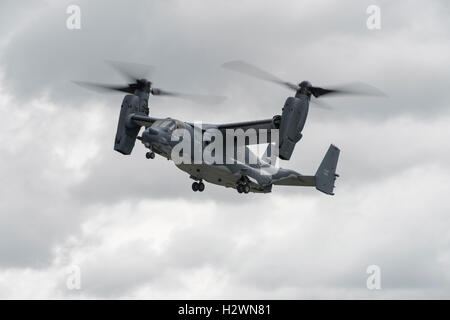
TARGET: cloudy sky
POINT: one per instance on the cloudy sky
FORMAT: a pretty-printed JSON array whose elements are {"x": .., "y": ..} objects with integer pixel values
[{"x": 135, "y": 229}]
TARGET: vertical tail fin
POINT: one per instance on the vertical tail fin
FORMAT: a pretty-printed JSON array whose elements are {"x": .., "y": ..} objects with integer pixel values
[{"x": 326, "y": 174}]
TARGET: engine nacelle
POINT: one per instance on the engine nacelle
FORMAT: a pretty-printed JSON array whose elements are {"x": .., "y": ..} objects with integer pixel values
[
  {"x": 127, "y": 130},
  {"x": 293, "y": 120}
]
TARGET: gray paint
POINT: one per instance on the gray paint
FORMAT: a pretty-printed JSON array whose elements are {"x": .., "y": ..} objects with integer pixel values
[{"x": 238, "y": 175}]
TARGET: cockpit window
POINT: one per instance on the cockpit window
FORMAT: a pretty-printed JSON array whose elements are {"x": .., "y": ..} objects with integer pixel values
[
  {"x": 180, "y": 125},
  {"x": 166, "y": 124}
]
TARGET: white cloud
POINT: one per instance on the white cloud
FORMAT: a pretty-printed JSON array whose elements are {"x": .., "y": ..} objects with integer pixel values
[{"x": 281, "y": 247}]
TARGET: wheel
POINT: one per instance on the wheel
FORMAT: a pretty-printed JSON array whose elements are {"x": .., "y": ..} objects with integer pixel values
[
  {"x": 246, "y": 188},
  {"x": 150, "y": 155},
  {"x": 195, "y": 186},
  {"x": 201, "y": 186},
  {"x": 239, "y": 188}
]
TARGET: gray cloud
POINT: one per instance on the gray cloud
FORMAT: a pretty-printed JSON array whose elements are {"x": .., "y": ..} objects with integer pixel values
[{"x": 189, "y": 45}]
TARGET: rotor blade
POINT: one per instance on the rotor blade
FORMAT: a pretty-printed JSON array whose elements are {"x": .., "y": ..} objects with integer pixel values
[
  {"x": 131, "y": 71},
  {"x": 100, "y": 87},
  {"x": 202, "y": 99},
  {"x": 356, "y": 88},
  {"x": 248, "y": 69},
  {"x": 320, "y": 104}
]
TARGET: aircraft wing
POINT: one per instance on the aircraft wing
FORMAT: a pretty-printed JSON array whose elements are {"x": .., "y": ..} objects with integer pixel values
[
  {"x": 143, "y": 120},
  {"x": 256, "y": 124},
  {"x": 246, "y": 125}
]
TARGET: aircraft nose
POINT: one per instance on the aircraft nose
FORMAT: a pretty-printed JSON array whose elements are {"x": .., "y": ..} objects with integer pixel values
[
  {"x": 154, "y": 135},
  {"x": 151, "y": 131},
  {"x": 150, "y": 135}
]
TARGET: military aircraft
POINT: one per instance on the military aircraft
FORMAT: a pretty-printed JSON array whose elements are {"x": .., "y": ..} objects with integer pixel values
[{"x": 232, "y": 172}]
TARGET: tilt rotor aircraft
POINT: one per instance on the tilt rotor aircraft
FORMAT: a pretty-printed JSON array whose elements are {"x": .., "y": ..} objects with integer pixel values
[{"x": 200, "y": 150}]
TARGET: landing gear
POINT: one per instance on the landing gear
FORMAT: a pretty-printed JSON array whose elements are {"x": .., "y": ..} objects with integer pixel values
[
  {"x": 198, "y": 186},
  {"x": 243, "y": 188},
  {"x": 243, "y": 185},
  {"x": 150, "y": 155}
]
